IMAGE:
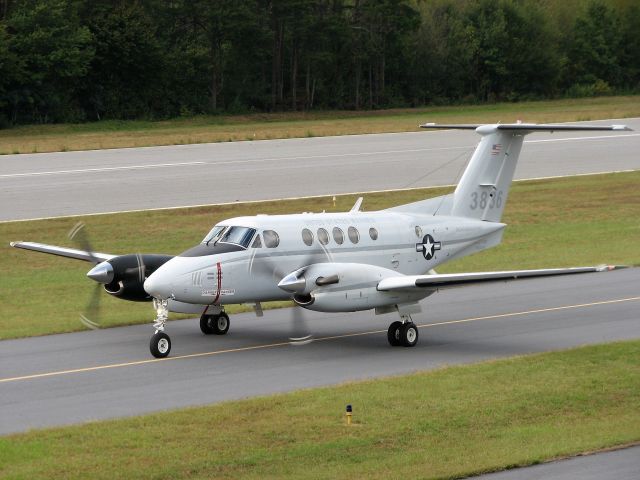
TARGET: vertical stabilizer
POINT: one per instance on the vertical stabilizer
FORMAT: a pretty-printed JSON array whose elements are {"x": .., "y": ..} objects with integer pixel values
[{"x": 484, "y": 186}]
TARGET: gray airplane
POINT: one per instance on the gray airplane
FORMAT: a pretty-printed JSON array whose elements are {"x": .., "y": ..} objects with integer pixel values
[{"x": 333, "y": 262}]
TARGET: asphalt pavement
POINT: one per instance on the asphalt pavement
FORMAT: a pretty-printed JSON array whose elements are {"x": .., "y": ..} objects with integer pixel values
[
  {"x": 92, "y": 375},
  {"x": 73, "y": 183},
  {"x": 621, "y": 464}
]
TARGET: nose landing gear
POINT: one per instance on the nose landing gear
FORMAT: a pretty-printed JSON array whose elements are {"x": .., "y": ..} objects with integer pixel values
[{"x": 160, "y": 344}]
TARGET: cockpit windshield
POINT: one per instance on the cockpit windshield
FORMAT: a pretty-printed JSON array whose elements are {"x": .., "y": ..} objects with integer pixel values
[
  {"x": 238, "y": 236},
  {"x": 213, "y": 236}
]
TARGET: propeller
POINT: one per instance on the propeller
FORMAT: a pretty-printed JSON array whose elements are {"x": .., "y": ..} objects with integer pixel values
[
  {"x": 293, "y": 283},
  {"x": 104, "y": 274},
  {"x": 92, "y": 310}
]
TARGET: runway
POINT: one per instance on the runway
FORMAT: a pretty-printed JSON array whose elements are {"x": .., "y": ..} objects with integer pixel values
[
  {"x": 615, "y": 465},
  {"x": 73, "y": 183},
  {"x": 64, "y": 379}
]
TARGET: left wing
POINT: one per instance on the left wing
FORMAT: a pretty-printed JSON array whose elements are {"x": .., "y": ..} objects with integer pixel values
[
  {"x": 449, "y": 280},
  {"x": 63, "y": 251}
]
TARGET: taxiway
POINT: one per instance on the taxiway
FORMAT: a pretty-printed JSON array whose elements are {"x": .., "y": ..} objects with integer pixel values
[{"x": 92, "y": 375}]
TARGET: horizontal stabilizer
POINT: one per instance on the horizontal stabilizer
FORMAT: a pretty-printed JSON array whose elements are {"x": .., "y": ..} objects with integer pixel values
[
  {"x": 448, "y": 280},
  {"x": 528, "y": 127},
  {"x": 62, "y": 251}
]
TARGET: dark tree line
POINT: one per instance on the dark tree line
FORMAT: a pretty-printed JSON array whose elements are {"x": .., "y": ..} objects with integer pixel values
[{"x": 76, "y": 60}]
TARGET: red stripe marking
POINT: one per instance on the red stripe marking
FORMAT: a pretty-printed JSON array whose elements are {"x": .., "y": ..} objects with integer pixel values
[{"x": 215, "y": 300}]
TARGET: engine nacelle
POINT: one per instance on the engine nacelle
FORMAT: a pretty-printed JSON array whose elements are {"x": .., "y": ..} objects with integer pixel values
[
  {"x": 128, "y": 280},
  {"x": 340, "y": 287}
]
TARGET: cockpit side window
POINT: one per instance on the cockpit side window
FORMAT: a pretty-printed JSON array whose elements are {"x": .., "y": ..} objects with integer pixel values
[
  {"x": 213, "y": 236},
  {"x": 256, "y": 242},
  {"x": 238, "y": 236},
  {"x": 271, "y": 238}
]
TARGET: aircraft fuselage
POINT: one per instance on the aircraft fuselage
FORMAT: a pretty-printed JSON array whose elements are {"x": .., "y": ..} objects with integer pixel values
[{"x": 388, "y": 242}]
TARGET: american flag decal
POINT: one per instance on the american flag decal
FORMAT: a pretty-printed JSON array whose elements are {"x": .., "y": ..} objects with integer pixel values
[{"x": 496, "y": 148}]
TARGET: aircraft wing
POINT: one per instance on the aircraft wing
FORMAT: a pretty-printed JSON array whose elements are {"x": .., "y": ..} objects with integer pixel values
[
  {"x": 63, "y": 251},
  {"x": 439, "y": 281}
]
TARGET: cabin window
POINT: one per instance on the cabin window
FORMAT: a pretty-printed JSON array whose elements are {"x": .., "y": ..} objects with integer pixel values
[
  {"x": 418, "y": 232},
  {"x": 373, "y": 233},
  {"x": 271, "y": 238},
  {"x": 323, "y": 236},
  {"x": 256, "y": 242},
  {"x": 307, "y": 237},
  {"x": 354, "y": 235},
  {"x": 338, "y": 235},
  {"x": 238, "y": 236}
]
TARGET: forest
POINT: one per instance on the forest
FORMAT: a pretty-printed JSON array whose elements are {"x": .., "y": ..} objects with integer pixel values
[{"x": 86, "y": 60}]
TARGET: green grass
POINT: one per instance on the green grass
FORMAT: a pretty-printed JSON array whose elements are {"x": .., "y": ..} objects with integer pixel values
[
  {"x": 204, "y": 129},
  {"x": 448, "y": 423},
  {"x": 560, "y": 222}
]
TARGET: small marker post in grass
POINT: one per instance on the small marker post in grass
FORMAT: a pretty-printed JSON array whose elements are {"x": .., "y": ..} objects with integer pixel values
[{"x": 349, "y": 414}]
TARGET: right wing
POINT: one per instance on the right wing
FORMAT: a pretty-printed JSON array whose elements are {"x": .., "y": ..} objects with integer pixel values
[
  {"x": 448, "y": 280},
  {"x": 63, "y": 251}
]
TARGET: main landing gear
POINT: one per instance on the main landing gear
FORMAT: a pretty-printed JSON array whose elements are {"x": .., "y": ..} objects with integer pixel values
[
  {"x": 403, "y": 333},
  {"x": 214, "y": 324}
]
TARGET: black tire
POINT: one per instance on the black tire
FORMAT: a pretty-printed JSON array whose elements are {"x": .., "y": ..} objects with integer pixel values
[
  {"x": 206, "y": 322},
  {"x": 409, "y": 334},
  {"x": 160, "y": 345},
  {"x": 221, "y": 324},
  {"x": 393, "y": 334},
  {"x": 214, "y": 324}
]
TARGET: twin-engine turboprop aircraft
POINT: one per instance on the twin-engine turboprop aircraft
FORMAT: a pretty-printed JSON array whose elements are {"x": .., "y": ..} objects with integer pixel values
[{"x": 333, "y": 262}]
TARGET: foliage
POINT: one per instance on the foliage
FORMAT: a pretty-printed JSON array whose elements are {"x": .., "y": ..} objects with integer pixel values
[
  {"x": 63, "y": 60},
  {"x": 53, "y": 50}
]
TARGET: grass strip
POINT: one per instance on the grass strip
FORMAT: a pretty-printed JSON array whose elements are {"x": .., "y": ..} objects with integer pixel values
[
  {"x": 448, "y": 423},
  {"x": 552, "y": 223},
  {"x": 206, "y": 129}
]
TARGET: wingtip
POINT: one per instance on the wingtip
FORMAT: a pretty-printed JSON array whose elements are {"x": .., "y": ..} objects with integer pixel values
[{"x": 608, "y": 268}]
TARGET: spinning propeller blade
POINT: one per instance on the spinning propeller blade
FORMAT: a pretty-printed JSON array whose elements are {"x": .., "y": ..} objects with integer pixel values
[
  {"x": 92, "y": 310},
  {"x": 90, "y": 316},
  {"x": 300, "y": 333},
  {"x": 267, "y": 267},
  {"x": 79, "y": 236}
]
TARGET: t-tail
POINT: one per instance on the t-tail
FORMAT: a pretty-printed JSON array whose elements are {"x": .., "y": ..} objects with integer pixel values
[{"x": 484, "y": 187}]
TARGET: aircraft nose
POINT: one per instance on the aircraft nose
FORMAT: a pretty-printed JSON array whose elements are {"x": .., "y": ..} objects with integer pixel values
[{"x": 158, "y": 285}]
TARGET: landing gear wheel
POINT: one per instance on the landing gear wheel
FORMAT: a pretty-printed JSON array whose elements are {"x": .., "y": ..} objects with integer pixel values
[
  {"x": 215, "y": 324},
  {"x": 408, "y": 334},
  {"x": 160, "y": 345},
  {"x": 393, "y": 334}
]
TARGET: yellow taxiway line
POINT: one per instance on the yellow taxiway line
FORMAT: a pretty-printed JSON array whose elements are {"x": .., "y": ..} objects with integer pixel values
[{"x": 320, "y": 339}]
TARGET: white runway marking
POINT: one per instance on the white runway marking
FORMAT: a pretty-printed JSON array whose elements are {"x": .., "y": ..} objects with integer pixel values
[
  {"x": 102, "y": 169},
  {"x": 391, "y": 190},
  {"x": 305, "y": 157},
  {"x": 599, "y": 137}
]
